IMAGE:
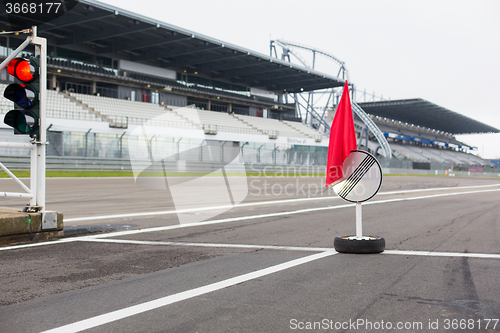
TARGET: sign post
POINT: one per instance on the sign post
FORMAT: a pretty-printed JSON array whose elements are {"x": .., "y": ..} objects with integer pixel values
[{"x": 362, "y": 179}]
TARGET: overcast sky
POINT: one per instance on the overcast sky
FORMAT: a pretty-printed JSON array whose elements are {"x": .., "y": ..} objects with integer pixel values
[{"x": 447, "y": 52}]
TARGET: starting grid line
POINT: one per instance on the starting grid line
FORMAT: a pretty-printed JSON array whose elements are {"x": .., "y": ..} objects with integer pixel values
[
  {"x": 211, "y": 245},
  {"x": 133, "y": 310},
  {"x": 288, "y": 248},
  {"x": 261, "y": 203},
  {"x": 161, "y": 302},
  {"x": 251, "y": 217}
]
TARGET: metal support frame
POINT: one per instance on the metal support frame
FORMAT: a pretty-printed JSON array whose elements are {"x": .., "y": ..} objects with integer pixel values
[
  {"x": 222, "y": 151},
  {"x": 311, "y": 113},
  {"x": 121, "y": 144},
  {"x": 36, "y": 191},
  {"x": 308, "y": 104},
  {"x": 365, "y": 134},
  {"x": 373, "y": 128},
  {"x": 87, "y": 141}
]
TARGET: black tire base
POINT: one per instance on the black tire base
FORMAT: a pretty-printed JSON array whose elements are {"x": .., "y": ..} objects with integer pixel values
[{"x": 346, "y": 244}]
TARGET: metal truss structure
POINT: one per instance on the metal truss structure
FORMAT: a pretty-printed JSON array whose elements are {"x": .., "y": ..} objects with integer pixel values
[{"x": 311, "y": 105}]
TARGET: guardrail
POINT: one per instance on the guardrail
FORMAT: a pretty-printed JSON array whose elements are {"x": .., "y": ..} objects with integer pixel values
[{"x": 116, "y": 164}]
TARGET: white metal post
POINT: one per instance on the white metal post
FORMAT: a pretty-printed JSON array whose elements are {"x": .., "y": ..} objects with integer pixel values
[
  {"x": 41, "y": 50},
  {"x": 359, "y": 223},
  {"x": 14, "y": 54},
  {"x": 33, "y": 179}
]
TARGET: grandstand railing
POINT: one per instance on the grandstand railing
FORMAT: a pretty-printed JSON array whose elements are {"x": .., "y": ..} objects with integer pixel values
[
  {"x": 283, "y": 133},
  {"x": 124, "y": 120},
  {"x": 87, "y": 89},
  {"x": 80, "y": 66},
  {"x": 67, "y": 114},
  {"x": 151, "y": 122},
  {"x": 208, "y": 127},
  {"x": 71, "y": 115},
  {"x": 221, "y": 128}
]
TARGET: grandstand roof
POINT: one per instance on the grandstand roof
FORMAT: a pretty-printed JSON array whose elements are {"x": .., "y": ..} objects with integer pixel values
[
  {"x": 426, "y": 114},
  {"x": 99, "y": 29}
]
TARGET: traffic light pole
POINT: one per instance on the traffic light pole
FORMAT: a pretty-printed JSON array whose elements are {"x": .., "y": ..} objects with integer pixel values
[
  {"x": 41, "y": 142},
  {"x": 36, "y": 192}
]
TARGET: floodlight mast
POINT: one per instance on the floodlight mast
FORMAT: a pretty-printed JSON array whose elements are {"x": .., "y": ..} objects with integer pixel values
[{"x": 36, "y": 192}]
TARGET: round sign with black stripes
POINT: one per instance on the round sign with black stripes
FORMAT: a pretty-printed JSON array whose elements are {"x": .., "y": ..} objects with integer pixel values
[{"x": 362, "y": 177}]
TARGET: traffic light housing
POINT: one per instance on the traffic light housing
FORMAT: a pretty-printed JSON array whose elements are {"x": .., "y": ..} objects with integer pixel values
[{"x": 25, "y": 95}]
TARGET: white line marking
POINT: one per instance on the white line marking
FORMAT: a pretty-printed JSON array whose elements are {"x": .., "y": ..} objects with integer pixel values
[
  {"x": 293, "y": 248},
  {"x": 192, "y": 210},
  {"x": 241, "y": 218},
  {"x": 227, "y": 220},
  {"x": 437, "y": 189},
  {"x": 161, "y": 302},
  {"x": 14, "y": 247},
  {"x": 252, "y": 217},
  {"x": 285, "y": 201},
  {"x": 238, "y": 246},
  {"x": 443, "y": 254}
]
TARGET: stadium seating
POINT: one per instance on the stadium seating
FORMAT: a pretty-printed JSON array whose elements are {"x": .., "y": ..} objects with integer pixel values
[
  {"x": 271, "y": 127},
  {"x": 476, "y": 160},
  {"x": 413, "y": 153},
  {"x": 60, "y": 107},
  {"x": 458, "y": 157},
  {"x": 303, "y": 128},
  {"x": 436, "y": 155},
  {"x": 120, "y": 111},
  {"x": 214, "y": 122}
]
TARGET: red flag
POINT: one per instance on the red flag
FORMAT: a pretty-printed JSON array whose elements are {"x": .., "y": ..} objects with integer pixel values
[{"x": 342, "y": 138}]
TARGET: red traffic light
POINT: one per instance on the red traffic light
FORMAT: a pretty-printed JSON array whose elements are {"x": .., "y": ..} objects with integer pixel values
[
  {"x": 23, "y": 69},
  {"x": 11, "y": 67},
  {"x": 25, "y": 94}
]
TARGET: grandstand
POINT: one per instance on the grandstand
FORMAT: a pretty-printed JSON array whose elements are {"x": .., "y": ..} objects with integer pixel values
[
  {"x": 423, "y": 132},
  {"x": 178, "y": 83}
]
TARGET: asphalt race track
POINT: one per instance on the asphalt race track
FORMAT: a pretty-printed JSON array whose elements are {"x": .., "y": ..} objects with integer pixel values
[{"x": 256, "y": 255}]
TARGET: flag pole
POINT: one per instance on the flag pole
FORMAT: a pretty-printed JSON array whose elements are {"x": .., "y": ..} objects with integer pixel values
[{"x": 359, "y": 223}]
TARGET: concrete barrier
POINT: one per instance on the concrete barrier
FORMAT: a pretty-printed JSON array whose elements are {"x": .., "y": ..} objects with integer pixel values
[{"x": 18, "y": 226}]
